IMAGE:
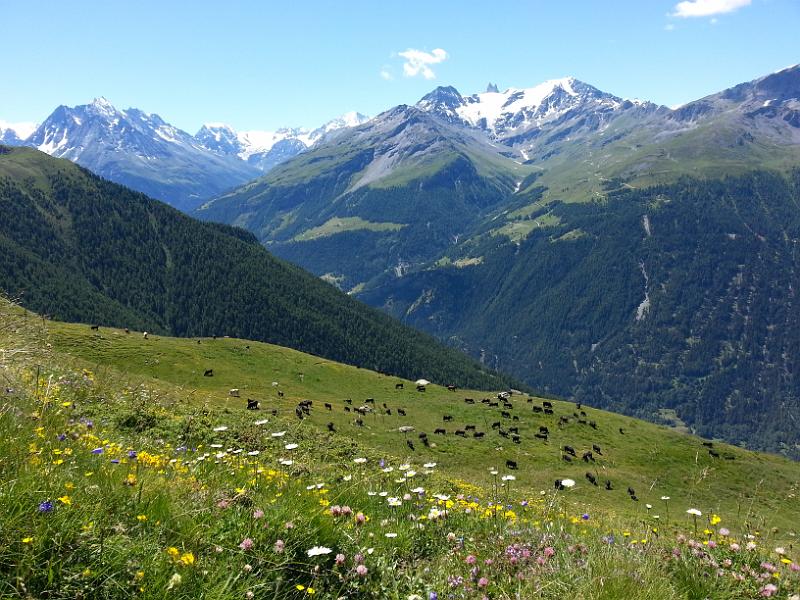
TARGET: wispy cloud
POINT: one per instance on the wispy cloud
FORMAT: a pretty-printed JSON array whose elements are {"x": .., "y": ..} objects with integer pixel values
[
  {"x": 707, "y": 8},
  {"x": 386, "y": 74},
  {"x": 418, "y": 62}
]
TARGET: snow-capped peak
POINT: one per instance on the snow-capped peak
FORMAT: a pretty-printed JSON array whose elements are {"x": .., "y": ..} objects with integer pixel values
[{"x": 21, "y": 131}]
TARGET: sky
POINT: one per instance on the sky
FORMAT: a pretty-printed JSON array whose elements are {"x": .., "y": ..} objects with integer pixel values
[{"x": 263, "y": 64}]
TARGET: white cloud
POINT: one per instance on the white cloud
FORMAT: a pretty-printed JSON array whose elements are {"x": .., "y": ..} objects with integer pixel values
[
  {"x": 707, "y": 8},
  {"x": 418, "y": 62},
  {"x": 386, "y": 74},
  {"x": 669, "y": 27}
]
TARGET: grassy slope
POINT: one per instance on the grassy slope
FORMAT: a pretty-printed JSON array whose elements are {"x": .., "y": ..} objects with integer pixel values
[{"x": 654, "y": 460}]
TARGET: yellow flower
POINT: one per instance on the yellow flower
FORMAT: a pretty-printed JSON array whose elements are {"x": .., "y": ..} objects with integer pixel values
[
  {"x": 786, "y": 561},
  {"x": 86, "y": 572},
  {"x": 69, "y": 485},
  {"x": 139, "y": 575},
  {"x": 141, "y": 518},
  {"x": 66, "y": 500},
  {"x": 715, "y": 519},
  {"x": 58, "y": 461},
  {"x": 311, "y": 591},
  {"x": 173, "y": 551},
  {"x": 300, "y": 587},
  {"x": 187, "y": 558},
  {"x": 27, "y": 540},
  {"x": 130, "y": 480},
  {"x": 66, "y": 404},
  {"x": 88, "y": 527},
  {"x": 324, "y": 502}
]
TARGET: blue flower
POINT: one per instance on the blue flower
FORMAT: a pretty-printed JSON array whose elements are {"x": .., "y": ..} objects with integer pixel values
[
  {"x": 97, "y": 450},
  {"x": 585, "y": 516},
  {"x": 46, "y": 507},
  {"x": 433, "y": 596},
  {"x": 131, "y": 453}
]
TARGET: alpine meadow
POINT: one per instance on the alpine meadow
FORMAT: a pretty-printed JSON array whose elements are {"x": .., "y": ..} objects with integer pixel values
[{"x": 423, "y": 302}]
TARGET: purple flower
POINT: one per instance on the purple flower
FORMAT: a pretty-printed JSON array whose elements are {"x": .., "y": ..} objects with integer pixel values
[
  {"x": 246, "y": 544},
  {"x": 131, "y": 454},
  {"x": 46, "y": 507},
  {"x": 585, "y": 516},
  {"x": 62, "y": 437},
  {"x": 433, "y": 596},
  {"x": 115, "y": 461},
  {"x": 98, "y": 450}
]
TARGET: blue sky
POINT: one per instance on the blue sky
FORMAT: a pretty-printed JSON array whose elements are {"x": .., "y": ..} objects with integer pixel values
[{"x": 262, "y": 65}]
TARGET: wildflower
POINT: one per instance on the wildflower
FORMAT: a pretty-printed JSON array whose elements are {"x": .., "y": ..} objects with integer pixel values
[
  {"x": 508, "y": 478},
  {"x": 318, "y": 550},
  {"x": 433, "y": 596},
  {"x": 361, "y": 571},
  {"x": 715, "y": 519},
  {"x": 280, "y": 545},
  {"x": 359, "y": 461},
  {"x": 361, "y": 518},
  {"x": 429, "y": 465},
  {"x": 391, "y": 535},
  {"x": 27, "y": 540},
  {"x": 694, "y": 512},
  {"x": 339, "y": 560},
  {"x": 97, "y": 450},
  {"x": 221, "y": 428},
  {"x": 247, "y": 568},
  {"x": 291, "y": 446},
  {"x": 471, "y": 559},
  {"x": 768, "y": 590},
  {"x": 65, "y": 500},
  {"x": 724, "y": 532},
  {"x": 278, "y": 434},
  {"x": 483, "y": 582},
  {"x": 247, "y": 544},
  {"x": 665, "y": 498},
  {"x": 174, "y": 581},
  {"x": 549, "y": 551},
  {"x": 187, "y": 559},
  {"x": 141, "y": 518},
  {"x": 46, "y": 507},
  {"x": 258, "y": 513},
  {"x": 287, "y": 463}
]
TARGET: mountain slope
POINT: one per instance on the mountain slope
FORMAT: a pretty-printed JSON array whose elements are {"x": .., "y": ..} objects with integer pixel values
[
  {"x": 390, "y": 193},
  {"x": 77, "y": 247}
]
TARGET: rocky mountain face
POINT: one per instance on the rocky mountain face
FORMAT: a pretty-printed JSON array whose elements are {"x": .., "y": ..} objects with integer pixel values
[{"x": 142, "y": 151}]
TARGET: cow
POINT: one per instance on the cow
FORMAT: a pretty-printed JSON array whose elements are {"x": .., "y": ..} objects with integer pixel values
[
  {"x": 331, "y": 427},
  {"x": 461, "y": 432},
  {"x": 578, "y": 405},
  {"x": 447, "y": 418},
  {"x": 537, "y": 409},
  {"x": 496, "y": 425},
  {"x": 547, "y": 404},
  {"x": 621, "y": 431},
  {"x": 548, "y": 411},
  {"x": 596, "y": 448},
  {"x": 505, "y": 415},
  {"x": 233, "y": 393},
  {"x": 280, "y": 394},
  {"x": 563, "y": 421},
  {"x": 513, "y": 429},
  {"x": 346, "y": 409},
  {"x": 299, "y": 413},
  {"x": 401, "y": 412},
  {"x": 478, "y": 434},
  {"x": 587, "y": 457},
  {"x": 558, "y": 485},
  {"x": 208, "y": 373},
  {"x": 592, "y": 479},
  {"x": 510, "y": 464},
  {"x": 469, "y": 400},
  {"x": 541, "y": 436},
  {"x": 127, "y": 330},
  {"x": 503, "y": 433},
  {"x": 95, "y": 327},
  {"x": 708, "y": 444},
  {"x": 369, "y": 401},
  {"x": 592, "y": 424},
  {"x": 583, "y": 413},
  {"x": 543, "y": 429},
  {"x": 631, "y": 491},
  {"x": 582, "y": 421},
  {"x": 423, "y": 435},
  {"x": 440, "y": 431},
  {"x": 410, "y": 444},
  {"x": 328, "y": 406},
  {"x": 608, "y": 485},
  {"x": 389, "y": 411},
  {"x": 349, "y": 400},
  {"x": 516, "y": 439},
  {"x": 566, "y": 458},
  {"x": 713, "y": 453},
  {"x": 420, "y": 388},
  {"x": 569, "y": 450},
  {"x": 469, "y": 427},
  {"x": 252, "y": 404},
  {"x": 360, "y": 422},
  {"x": 451, "y": 388},
  {"x": 144, "y": 335},
  {"x": 398, "y": 386}
]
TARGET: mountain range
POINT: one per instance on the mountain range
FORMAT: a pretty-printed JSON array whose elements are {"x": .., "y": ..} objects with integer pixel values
[
  {"x": 142, "y": 151},
  {"x": 554, "y": 232}
]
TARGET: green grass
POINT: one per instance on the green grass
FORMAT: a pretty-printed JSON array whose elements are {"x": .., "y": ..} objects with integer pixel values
[
  {"x": 341, "y": 224},
  {"x": 206, "y": 509},
  {"x": 653, "y": 460}
]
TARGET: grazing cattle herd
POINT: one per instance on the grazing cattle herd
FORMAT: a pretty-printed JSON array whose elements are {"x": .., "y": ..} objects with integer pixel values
[{"x": 538, "y": 422}]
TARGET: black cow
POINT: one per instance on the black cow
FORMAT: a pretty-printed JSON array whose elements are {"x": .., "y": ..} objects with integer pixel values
[
  {"x": 469, "y": 400},
  {"x": 95, "y": 328},
  {"x": 608, "y": 485},
  {"x": 478, "y": 434},
  {"x": 583, "y": 413},
  {"x": 516, "y": 439},
  {"x": 541, "y": 436},
  {"x": 708, "y": 444},
  {"x": 422, "y": 435},
  {"x": 547, "y": 404},
  {"x": 461, "y": 432},
  {"x": 451, "y": 388},
  {"x": 208, "y": 373},
  {"x": 548, "y": 411},
  {"x": 496, "y": 425},
  {"x": 543, "y": 429},
  {"x": 447, "y": 418},
  {"x": 569, "y": 450},
  {"x": 566, "y": 458},
  {"x": 346, "y": 409},
  {"x": 420, "y": 388},
  {"x": 360, "y": 422},
  {"x": 401, "y": 412},
  {"x": 510, "y": 464},
  {"x": 331, "y": 427},
  {"x": 592, "y": 424},
  {"x": 299, "y": 413},
  {"x": 349, "y": 400},
  {"x": 513, "y": 429},
  {"x": 713, "y": 453},
  {"x": 622, "y": 432},
  {"x": 469, "y": 428},
  {"x": 587, "y": 456},
  {"x": 592, "y": 479},
  {"x": 389, "y": 411},
  {"x": 505, "y": 415},
  {"x": 252, "y": 404},
  {"x": 328, "y": 406},
  {"x": 370, "y": 401},
  {"x": 631, "y": 491},
  {"x": 280, "y": 394},
  {"x": 398, "y": 386},
  {"x": 537, "y": 409},
  {"x": 410, "y": 444},
  {"x": 440, "y": 431},
  {"x": 558, "y": 485},
  {"x": 596, "y": 448}
]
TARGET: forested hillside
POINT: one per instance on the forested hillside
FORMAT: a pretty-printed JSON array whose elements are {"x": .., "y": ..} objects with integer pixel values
[
  {"x": 676, "y": 300},
  {"x": 77, "y": 247}
]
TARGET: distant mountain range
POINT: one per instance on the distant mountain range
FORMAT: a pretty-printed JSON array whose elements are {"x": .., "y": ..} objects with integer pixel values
[
  {"x": 624, "y": 253},
  {"x": 142, "y": 151}
]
